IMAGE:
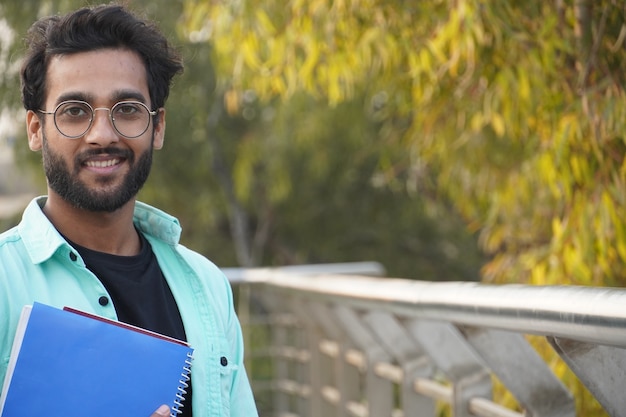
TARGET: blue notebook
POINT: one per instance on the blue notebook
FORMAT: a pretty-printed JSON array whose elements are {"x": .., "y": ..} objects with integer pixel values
[{"x": 74, "y": 364}]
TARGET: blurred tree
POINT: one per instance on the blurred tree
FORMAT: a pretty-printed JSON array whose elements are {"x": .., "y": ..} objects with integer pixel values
[
  {"x": 512, "y": 111},
  {"x": 278, "y": 182},
  {"x": 516, "y": 108},
  {"x": 311, "y": 179}
]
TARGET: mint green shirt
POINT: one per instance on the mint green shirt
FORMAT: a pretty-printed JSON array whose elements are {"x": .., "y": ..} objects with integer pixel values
[{"x": 37, "y": 264}]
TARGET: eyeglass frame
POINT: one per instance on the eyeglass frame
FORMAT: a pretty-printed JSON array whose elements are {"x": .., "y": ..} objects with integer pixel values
[{"x": 151, "y": 113}]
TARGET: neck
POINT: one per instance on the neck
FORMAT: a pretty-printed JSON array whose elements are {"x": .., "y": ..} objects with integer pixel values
[{"x": 112, "y": 233}]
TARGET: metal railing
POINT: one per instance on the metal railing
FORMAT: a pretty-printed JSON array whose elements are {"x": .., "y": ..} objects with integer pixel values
[{"x": 323, "y": 343}]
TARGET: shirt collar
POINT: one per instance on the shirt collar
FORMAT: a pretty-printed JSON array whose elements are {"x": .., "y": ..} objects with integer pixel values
[
  {"x": 152, "y": 221},
  {"x": 39, "y": 235},
  {"x": 42, "y": 239}
]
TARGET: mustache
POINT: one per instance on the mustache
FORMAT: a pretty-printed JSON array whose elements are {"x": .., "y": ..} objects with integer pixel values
[{"x": 109, "y": 151}]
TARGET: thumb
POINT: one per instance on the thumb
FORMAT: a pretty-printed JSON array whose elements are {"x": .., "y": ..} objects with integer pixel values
[{"x": 162, "y": 411}]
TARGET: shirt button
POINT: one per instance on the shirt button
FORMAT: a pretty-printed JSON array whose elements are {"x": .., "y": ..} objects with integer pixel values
[
  {"x": 103, "y": 301},
  {"x": 224, "y": 361},
  {"x": 73, "y": 257}
]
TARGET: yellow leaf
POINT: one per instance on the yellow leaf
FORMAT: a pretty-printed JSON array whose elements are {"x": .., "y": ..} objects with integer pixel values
[
  {"x": 557, "y": 229},
  {"x": 538, "y": 274},
  {"x": 266, "y": 25},
  {"x": 477, "y": 122},
  {"x": 310, "y": 62},
  {"x": 249, "y": 50},
  {"x": 425, "y": 61},
  {"x": 498, "y": 125},
  {"x": 231, "y": 102}
]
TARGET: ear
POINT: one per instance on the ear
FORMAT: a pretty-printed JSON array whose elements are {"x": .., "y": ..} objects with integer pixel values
[
  {"x": 159, "y": 130},
  {"x": 34, "y": 129}
]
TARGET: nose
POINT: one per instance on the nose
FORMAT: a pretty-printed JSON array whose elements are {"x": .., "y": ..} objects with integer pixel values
[{"x": 101, "y": 132}]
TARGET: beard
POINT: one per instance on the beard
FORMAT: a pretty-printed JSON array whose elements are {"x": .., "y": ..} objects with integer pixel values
[{"x": 108, "y": 198}]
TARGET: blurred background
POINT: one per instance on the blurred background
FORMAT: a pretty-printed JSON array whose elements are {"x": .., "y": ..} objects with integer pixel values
[{"x": 448, "y": 140}]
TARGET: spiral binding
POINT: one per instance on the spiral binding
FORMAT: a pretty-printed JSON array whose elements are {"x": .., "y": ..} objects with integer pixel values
[{"x": 180, "y": 395}]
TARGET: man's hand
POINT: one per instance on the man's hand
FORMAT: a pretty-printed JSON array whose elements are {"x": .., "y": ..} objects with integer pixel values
[{"x": 162, "y": 411}]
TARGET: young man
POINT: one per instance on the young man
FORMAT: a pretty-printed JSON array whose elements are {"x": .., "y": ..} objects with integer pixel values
[{"x": 94, "y": 83}]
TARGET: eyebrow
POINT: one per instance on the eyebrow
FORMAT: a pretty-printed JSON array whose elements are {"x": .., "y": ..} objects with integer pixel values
[{"x": 116, "y": 97}]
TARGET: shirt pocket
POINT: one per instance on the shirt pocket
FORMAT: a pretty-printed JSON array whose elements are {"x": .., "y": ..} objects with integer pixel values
[{"x": 227, "y": 369}]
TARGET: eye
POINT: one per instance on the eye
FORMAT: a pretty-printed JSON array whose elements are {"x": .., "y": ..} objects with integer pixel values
[
  {"x": 74, "y": 110},
  {"x": 127, "y": 109}
]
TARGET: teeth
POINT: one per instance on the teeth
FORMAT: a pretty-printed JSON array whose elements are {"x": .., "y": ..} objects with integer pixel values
[{"x": 103, "y": 164}]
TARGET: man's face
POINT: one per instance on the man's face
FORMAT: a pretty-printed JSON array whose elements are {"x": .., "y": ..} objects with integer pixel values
[{"x": 101, "y": 170}]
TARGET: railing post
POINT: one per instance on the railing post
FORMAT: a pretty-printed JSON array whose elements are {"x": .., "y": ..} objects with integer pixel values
[
  {"x": 522, "y": 371},
  {"x": 601, "y": 368},
  {"x": 378, "y": 390},
  {"x": 456, "y": 359},
  {"x": 303, "y": 370},
  {"x": 317, "y": 372},
  {"x": 327, "y": 361},
  {"x": 413, "y": 361},
  {"x": 345, "y": 379}
]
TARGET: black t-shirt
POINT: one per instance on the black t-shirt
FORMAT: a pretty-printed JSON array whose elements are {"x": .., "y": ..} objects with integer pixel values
[{"x": 139, "y": 293}]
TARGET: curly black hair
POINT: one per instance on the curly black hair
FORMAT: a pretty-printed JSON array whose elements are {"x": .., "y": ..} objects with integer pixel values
[{"x": 94, "y": 28}]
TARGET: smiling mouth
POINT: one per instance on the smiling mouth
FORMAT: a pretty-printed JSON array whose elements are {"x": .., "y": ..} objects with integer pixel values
[{"x": 102, "y": 164}]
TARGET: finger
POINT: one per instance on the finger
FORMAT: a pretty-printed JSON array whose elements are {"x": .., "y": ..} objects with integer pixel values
[{"x": 162, "y": 411}]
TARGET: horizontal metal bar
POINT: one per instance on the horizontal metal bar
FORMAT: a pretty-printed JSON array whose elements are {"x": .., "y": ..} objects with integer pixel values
[
  {"x": 592, "y": 314},
  {"x": 331, "y": 394},
  {"x": 482, "y": 407},
  {"x": 329, "y": 348},
  {"x": 375, "y": 269},
  {"x": 433, "y": 389},
  {"x": 292, "y": 387},
  {"x": 355, "y": 358},
  {"x": 290, "y": 352},
  {"x": 389, "y": 372},
  {"x": 356, "y": 409}
]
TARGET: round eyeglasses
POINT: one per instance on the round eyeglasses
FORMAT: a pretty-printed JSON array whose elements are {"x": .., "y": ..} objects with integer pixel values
[{"x": 74, "y": 118}]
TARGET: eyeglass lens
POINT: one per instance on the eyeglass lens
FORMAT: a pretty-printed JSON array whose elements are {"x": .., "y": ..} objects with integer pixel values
[{"x": 74, "y": 118}]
